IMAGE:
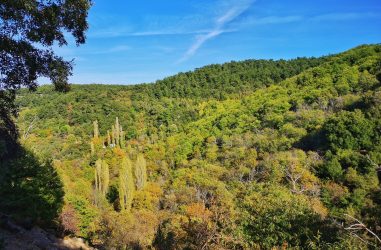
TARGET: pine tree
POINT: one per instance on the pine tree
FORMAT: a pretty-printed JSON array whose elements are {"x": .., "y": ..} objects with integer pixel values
[
  {"x": 96, "y": 129},
  {"x": 126, "y": 184},
  {"x": 140, "y": 172}
]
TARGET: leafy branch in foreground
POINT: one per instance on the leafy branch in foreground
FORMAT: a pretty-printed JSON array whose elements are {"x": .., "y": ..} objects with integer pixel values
[{"x": 28, "y": 30}]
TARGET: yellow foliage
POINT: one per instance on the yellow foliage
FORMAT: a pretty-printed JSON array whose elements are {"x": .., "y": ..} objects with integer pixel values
[
  {"x": 319, "y": 208},
  {"x": 129, "y": 229},
  {"x": 198, "y": 211},
  {"x": 119, "y": 152},
  {"x": 148, "y": 198}
]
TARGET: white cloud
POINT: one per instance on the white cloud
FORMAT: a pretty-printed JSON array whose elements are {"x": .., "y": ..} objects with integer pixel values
[
  {"x": 199, "y": 42},
  {"x": 233, "y": 13}
]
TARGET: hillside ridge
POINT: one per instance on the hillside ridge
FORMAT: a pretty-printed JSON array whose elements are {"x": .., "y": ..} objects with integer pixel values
[{"x": 284, "y": 157}]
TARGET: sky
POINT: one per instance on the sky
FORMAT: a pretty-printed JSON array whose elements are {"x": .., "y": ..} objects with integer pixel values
[{"x": 140, "y": 41}]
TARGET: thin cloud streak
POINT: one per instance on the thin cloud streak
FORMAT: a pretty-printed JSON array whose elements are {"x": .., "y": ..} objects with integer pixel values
[
  {"x": 229, "y": 17},
  {"x": 268, "y": 20},
  {"x": 123, "y": 33},
  {"x": 199, "y": 42},
  {"x": 235, "y": 12},
  {"x": 343, "y": 16},
  {"x": 168, "y": 32},
  {"x": 119, "y": 48},
  {"x": 277, "y": 20},
  {"x": 219, "y": 28}
]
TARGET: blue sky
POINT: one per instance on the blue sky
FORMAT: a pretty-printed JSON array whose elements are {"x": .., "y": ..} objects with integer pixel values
[{"x": 135, "y": 41}]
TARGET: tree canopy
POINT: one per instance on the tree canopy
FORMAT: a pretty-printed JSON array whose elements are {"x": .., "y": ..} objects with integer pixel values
[{"x": 28, "y": 30}]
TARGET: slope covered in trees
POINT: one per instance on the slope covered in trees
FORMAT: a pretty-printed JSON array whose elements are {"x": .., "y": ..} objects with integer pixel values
[
  {"x": 229, "y": 79},
  {"x": 246, "y": 155}
]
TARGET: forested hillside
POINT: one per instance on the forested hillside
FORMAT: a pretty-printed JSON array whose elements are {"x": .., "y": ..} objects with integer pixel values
[
  {"x": 222, "y": 81},
  {"x": 245, "y": 155}
]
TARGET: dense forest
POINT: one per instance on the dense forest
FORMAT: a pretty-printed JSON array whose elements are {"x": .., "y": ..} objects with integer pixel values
[{"x": 257, "y": 154}]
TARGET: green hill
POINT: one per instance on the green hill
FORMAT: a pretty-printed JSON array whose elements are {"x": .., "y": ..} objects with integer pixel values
[
  {"x": 230, "y": 79},
  {"x": 244, "y": 155}
]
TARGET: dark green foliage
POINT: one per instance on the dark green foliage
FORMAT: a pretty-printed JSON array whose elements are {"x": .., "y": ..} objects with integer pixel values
[
  {"x": 30, "y": 189},
  {"x": 113, "y": 197},
  {"x": 349, "y": 130},
  {"x": 333, "y": 169},
  {"x": 221, "y": 81}
]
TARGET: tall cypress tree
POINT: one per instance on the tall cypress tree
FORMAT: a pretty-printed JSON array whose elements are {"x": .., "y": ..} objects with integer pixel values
[
  {"x": 140, "y": 172},
  {"x": 126, "y": 184}
]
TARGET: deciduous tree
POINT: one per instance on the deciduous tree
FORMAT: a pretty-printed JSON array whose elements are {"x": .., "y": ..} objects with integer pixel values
[
  {"x": 140, "y": 172},
  {"x": 126, "y": 184}
]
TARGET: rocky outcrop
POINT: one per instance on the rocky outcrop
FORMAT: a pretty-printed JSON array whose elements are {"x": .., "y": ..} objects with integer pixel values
[{"x": 15, "y": 237}]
